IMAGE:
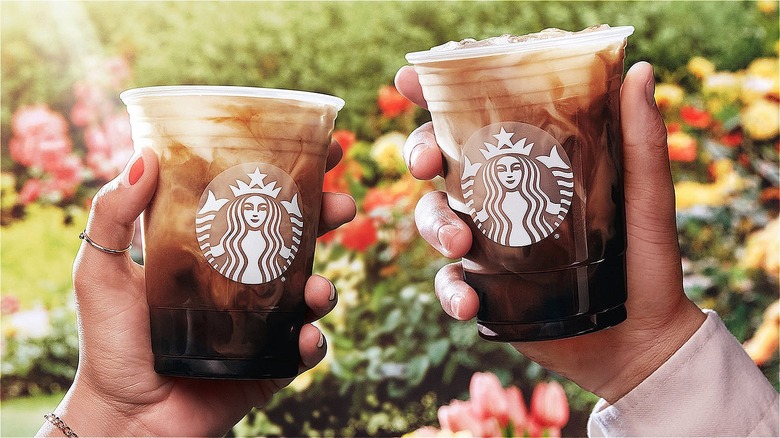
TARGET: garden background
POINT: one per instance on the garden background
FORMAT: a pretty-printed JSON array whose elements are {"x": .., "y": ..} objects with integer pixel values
[{"x": 395, "y": 357}]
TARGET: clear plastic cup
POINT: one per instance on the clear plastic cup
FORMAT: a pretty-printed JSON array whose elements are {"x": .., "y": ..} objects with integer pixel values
[
  {"x": 229, "y": 235},
  {"x": 529, "y": 128}
]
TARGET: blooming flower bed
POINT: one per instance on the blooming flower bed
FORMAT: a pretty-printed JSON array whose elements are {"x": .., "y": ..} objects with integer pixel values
[{"x": 396, "y": 362}]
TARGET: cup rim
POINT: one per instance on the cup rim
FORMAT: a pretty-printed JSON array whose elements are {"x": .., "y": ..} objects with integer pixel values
[
  {"x": 133, "y": 94},
  {"x": 606, "y": 34}
]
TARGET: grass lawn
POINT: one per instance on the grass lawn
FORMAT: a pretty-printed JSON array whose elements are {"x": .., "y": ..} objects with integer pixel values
[{"x": 23, "y": 416}]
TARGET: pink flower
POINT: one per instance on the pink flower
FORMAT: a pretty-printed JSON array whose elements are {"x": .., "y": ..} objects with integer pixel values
[
  {"x": 488, "y": 397},
  {"x": 516, "y": 410},
  {"x": 460, "y": 415},
  {"x": 30, "y": 192},
  {"x": 9, "y": 304},
  {"x": 108, "y": 146},
  {"x": 549, "y": 406},
  {"x": 40, "y": 137},
  {"x": 90, "y": 104},
  {"x": 118, "y": 71},
  {"x": 66, "y": 177}
]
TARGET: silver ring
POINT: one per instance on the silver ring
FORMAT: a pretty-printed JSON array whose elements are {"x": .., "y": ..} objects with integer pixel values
[{"x": 83, "y": 236}]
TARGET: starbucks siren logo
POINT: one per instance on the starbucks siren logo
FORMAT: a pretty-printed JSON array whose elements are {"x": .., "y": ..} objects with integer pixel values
[
  {"x": 517, "y": 183},
  {"x": 248, "y": 228}
]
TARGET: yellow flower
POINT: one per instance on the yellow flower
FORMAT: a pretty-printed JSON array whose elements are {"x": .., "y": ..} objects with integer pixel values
[
  {"x": 762, "y": 250},
  {"x": 701, "y": 67},
  {"x": 764, "y": 342},
  {"x": 727, "y": 182},
  {"x": 387, "y": 152},
  {"x": 764, "y": 67},
  {"x": 668, "y": 95},
  {"x": 767, "y": 6},
  {"x": 756, "y": 87},
  {"x": 725, "y": 85},
  {"x": 761, "y": 119},
  {"x": 689, "y": 194}
]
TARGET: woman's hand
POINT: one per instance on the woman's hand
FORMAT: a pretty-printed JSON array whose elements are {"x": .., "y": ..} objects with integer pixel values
[
  {"x": 116, "y": 391},
  {"x": 661, "y": 318}
]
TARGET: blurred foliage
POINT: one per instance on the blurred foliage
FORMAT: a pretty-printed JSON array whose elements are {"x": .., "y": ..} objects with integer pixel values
[
  {"x": 394, "y": 356},
  {"x": 341, "y": 48},
  {"x": 37, "y": 254}
]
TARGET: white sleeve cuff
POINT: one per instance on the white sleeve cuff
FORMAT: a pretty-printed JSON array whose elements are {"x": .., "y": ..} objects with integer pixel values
[{"x": 709, "y": 387}]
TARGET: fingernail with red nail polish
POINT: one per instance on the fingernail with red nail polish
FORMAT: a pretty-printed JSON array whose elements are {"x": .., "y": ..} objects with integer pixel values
[{"x": 136, "y": 170}]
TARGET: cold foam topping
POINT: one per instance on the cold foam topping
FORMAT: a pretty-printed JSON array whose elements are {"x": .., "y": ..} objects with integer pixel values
[
  {"x": 505, "y": 39},
  {"x": 547, "y": 38}
]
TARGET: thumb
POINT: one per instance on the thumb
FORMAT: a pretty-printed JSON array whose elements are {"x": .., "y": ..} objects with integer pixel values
[
  {"x": 119, "y": 203},
  {"x": 653, "y": 247},
  {"x": 114, "y": 210}
]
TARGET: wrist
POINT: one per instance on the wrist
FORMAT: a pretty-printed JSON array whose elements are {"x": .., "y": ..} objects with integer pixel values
[
  {"x": 652, "y": 349},
  {"x": 87, "y": 413}
]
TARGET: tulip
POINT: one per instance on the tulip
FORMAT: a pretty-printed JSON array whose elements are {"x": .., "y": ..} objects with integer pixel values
[
  {"x": 549, "y": 406},
  {"x": 518, "y": 414},
  {"x": 488, "y": 397}
]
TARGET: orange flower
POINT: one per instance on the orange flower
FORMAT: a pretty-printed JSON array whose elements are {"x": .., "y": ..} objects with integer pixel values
[
  {"x": 682, "y": 147},
  {"x": 345, "y": 138},
  {"x": 695, "y": 117},
  {"x": 392, "y": 103},
  {"x": 359, "y": 234},
  {"x": 549, "y": 406}
]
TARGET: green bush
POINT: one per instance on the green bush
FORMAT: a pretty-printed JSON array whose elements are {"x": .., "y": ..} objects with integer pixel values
[{"x": 342, "y": 48}]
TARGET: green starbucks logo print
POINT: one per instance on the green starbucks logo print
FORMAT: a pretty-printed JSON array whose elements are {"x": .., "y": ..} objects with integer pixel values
[
  {"x": 249, "y": 223},
  {"x": 517, "y": 183}
]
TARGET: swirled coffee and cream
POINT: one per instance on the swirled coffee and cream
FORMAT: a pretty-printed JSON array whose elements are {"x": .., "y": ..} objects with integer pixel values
[
  {"x": 229, "y": 235},
  {"x": 530, "y": 132}
]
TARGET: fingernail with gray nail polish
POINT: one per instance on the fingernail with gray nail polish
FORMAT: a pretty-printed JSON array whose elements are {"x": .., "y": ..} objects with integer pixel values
[
  {"x": 322, "y": 341},
  {"x": 332, "y": 292}
]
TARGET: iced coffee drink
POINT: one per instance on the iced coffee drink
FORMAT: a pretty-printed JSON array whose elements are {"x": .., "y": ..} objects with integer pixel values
[
  {"x": 530, "y": 132},
  {"x": 229, "y": 235}
]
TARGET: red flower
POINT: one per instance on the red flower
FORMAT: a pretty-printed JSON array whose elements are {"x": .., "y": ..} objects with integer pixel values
[
  {"x": 392, "y": 103},
  {"x": 345, "y": 138},
  {"x": 377, "y": 198},
  {"x": 733, "y": 138},
  {"x": 549, "y": 406},
  {"x": 330, "y": 236},
  {"x": 359, "y": 234},
  {"x": 695, "y": 117},
  {"x": 673, "y": 127}
]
